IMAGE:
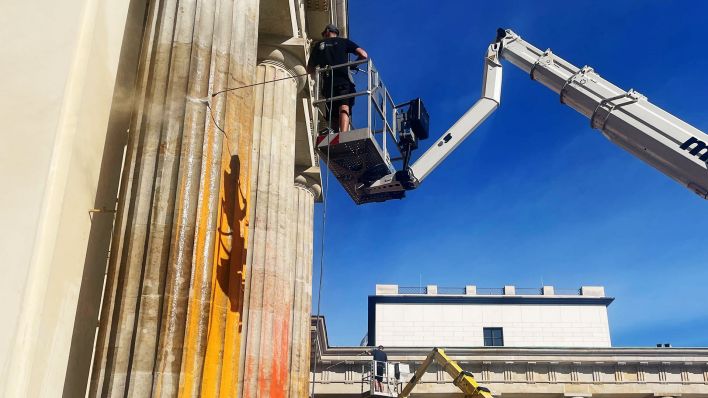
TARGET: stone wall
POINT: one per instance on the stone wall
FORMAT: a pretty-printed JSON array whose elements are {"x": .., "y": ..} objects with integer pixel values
[
  {"x": 527, "y": 372},
  {"x": 459, "y": 325},
  {"x": 456, "y": 317}
]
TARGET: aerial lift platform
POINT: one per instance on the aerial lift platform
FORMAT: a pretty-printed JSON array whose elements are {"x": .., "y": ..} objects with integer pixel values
[{"x": 360, "y": 158}]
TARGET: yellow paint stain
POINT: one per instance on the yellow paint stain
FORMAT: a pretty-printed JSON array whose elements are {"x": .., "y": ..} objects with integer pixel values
[
  {"x": 237, "y": 273},
  {"x": 198, "y": 313},
  {"x": 221, "y": 363}
]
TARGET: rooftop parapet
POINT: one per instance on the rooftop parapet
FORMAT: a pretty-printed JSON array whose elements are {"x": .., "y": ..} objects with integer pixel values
[{"x": 472, "y": 290}]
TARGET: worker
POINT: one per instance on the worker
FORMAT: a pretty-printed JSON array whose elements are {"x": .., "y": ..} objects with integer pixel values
[
  {"x": 380, "y": 359},
  {"x": 333, "y": 50}
]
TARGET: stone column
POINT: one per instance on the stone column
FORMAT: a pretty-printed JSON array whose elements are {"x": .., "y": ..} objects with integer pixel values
[
  {"x": 157, "y": 305},
  {"x": 142, "y": 234},
  {"x": 306, "y": 192},
  {"x": 270, "y": 261},
  {"x": 234, "y": 112}
]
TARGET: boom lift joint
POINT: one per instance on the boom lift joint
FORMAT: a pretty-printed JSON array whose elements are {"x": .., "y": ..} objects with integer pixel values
[{"x": 463, "y": 379}]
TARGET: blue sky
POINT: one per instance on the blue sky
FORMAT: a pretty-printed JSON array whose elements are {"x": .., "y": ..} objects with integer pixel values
[{"x": 567, "y": 207}]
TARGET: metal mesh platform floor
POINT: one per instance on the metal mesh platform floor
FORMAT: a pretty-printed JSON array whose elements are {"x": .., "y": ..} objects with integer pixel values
[{"x": 356, "y": 160}]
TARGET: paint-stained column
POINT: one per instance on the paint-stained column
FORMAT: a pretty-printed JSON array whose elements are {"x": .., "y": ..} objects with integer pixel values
[
  {"x": 180, "y": 273},
  {"x": 271, "y": 261},
  {"x": 183, "y": 208},
  {"x": 211, "y": 360},
  {"x": 306, "y": 191},
  {"x": 143, "y": 219}
]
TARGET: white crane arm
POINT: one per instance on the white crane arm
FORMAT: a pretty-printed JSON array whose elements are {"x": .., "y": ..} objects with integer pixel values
[
  {"x": 468, "y": 123},
  {"x": 626, "y": 118}
]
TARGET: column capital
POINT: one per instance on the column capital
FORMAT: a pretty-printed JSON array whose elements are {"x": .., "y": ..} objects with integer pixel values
[
  {"x": 308, "y": 184},
  {"x": 278, "y": 56}
]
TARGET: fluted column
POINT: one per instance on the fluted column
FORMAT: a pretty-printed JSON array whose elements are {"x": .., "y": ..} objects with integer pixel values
[
  {"x": 222, "y": 240},
  {"x": 270, "y": 262},
  {"x": 169, "y": 264},
  {"x": 306, "y": 191},
  {"x": 144, "y": 221}
]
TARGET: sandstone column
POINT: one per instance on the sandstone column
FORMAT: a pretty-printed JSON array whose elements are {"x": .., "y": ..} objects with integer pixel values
[
  {"x": 157, "y": 304},
  {"x": 196, "y": 43},
  {"x": 306, "y": 192},
  {"x": 270, "y": 261},
  {"x": 137, "y": 215},
  {"x": 228, "y": 232}
]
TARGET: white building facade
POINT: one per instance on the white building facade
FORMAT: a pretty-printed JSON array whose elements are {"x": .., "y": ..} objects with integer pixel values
[{"x": 525, "y": 318}]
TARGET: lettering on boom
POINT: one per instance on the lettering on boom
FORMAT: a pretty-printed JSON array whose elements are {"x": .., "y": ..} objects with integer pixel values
[{"x": 699, "y": 147}]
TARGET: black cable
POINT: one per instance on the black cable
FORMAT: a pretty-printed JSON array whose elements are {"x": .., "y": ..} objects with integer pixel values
[
  {"x": 324, "y": 225},
  {"x": 226, "y": 90},
  {"x": 326, "y": 188},
  {"x": 226, "y": 135}
]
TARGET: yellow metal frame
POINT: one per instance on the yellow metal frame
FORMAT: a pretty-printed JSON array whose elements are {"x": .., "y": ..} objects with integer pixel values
[{"x": 461, "y": 378}]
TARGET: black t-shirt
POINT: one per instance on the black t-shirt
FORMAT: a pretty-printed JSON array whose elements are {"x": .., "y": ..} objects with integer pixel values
[
  {"x": 379, "y": 355},
  {"x": 333, "y": 51}
]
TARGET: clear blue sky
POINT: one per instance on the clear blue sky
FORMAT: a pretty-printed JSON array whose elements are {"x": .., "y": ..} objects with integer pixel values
[{"x": 566, "y": 207}]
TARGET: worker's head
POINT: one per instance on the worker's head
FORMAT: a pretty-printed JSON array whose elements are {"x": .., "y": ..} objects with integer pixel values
[
  {"x": 330, "y": 31},
  {"x": 381, "y": 347}
]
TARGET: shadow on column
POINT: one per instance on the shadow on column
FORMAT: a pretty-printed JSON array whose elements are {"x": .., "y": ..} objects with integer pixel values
[{"x": 231, "y": 265}]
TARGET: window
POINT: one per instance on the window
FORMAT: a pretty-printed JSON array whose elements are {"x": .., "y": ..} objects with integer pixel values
[{"x": 493, "y": 337}]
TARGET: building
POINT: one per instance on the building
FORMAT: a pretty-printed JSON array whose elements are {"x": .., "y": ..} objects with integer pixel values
[
  {"x": 471, "y": 317},
  {"x": 553, "y": 343},
  {"x": 159, "y": 184}
]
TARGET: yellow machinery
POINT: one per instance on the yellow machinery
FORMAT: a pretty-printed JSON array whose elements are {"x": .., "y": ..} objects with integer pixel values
[{"x": 461, "y": 378}]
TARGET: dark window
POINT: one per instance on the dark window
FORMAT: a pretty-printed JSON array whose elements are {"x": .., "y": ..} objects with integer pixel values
[{"x": 493, "y": 337}]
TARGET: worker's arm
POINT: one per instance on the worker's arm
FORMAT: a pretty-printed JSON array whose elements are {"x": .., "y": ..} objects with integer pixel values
[
  {"x": 311, "y": 60},
  {"x": 353, "y": 48},
  {"x": 361, "y": 53}
]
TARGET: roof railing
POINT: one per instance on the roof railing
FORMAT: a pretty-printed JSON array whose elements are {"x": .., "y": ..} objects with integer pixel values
[{"x": 485, "y": 291}]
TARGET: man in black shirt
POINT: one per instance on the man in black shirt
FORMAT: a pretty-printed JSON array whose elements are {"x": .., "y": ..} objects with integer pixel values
[
  {"x": 381, "y": 358},
  {"x": 330, "y": 51}
]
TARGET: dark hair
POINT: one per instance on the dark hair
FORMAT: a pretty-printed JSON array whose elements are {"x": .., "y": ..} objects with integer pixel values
[{"x": 330, "y": 28}]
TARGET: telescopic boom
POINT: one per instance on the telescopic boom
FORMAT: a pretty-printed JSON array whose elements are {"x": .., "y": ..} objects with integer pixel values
[{"x": 626, "y": 118}]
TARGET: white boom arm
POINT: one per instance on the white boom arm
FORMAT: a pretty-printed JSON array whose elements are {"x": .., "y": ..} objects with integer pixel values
[
  {"x": 468, "y": 123},
  {"x": 626, "y": 118}
]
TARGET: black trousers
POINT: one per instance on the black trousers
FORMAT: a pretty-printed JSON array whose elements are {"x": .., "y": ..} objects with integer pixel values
[
  {"x": 379, "y": 371},
  {"x": 329, "y": 91}
]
